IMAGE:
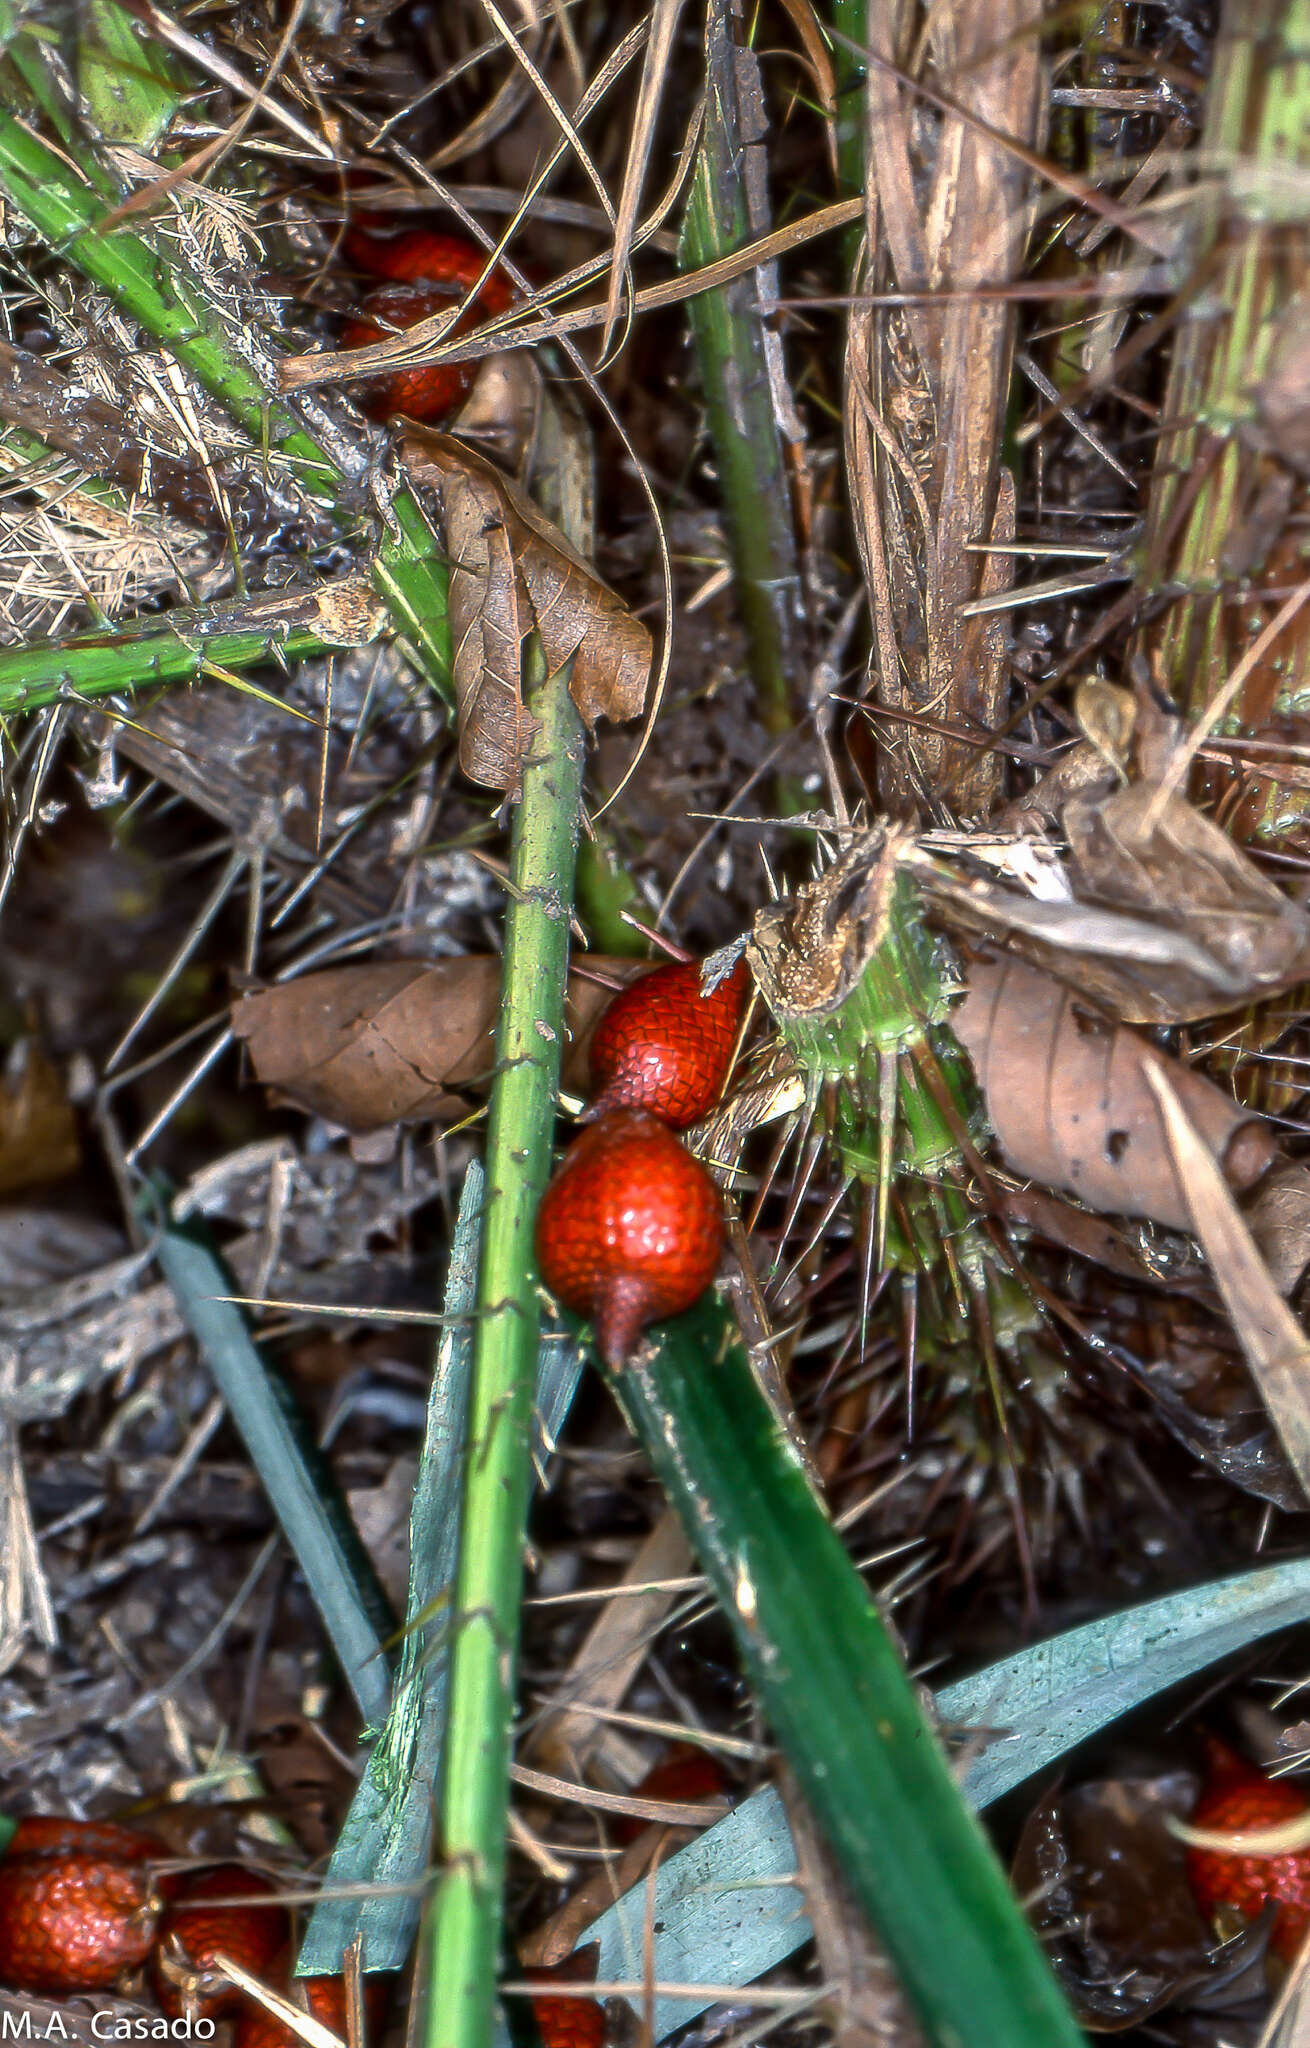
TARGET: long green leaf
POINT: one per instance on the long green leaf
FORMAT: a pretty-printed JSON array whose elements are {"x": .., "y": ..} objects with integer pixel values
[
  {"x": 834, "y": 1690},
  {"x": 726, "y": 1908},
  {"x": 294, "y": 1474}
]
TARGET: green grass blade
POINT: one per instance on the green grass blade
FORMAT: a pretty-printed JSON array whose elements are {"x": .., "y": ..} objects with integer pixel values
[
  {"x": 836, "y": 1694},
  {"x": 293, "y": 1472}
]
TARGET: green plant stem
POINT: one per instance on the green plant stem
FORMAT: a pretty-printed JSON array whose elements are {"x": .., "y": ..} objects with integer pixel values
[
  {"x": 1219, "y": 466},
  {"x": 180, "y": 647},
  {"x": 236, "y": 364},
  {"x": 834, "y": 1689},
  {"x": 850, "y": 20},
  {"x": 474, "y": 1803},
  {"x": 728, "y": 330}
]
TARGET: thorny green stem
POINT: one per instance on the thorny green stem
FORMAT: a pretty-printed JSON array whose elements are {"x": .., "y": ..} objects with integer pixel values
[
  {"x": 467, "y": 1910},
  {"x": 728, "y": 329},
  {"x": 229, "y": 356},
  {"x": 179, "y": 647}
]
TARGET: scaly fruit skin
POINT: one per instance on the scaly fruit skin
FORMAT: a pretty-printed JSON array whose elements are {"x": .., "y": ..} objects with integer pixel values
[
  {"x": 73, "y": 1920},
  {"x": 195, "y": 1931},
  {"x": 1238, "y": 1799},
  {"x": 665, "y": 1046},
  {"x": 686, "y": 1773},
  {"x": 48, "y": 1834},
  {"x": 427, "y": 271},
  {"x": 563, "y": 2021},
  {"x": 630, "y": 1229},
  {"x": 324, "y": 1998}
]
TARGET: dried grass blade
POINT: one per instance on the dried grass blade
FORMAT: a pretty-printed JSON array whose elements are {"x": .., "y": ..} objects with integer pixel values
[
  {"x": 654, "y": 71},
  {"x": 1272, "y": 1340}
]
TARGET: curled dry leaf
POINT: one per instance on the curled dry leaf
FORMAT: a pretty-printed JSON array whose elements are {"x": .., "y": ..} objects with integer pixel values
[
  {"x": 1111, "y": 1902},
  {"x": 513, "y": 574},
  {"x": 393, "y": 1041},
  {"x": 1280, "y": 1224},
  {"x": 38, "y": 1129},
  {"x": 1271, "y": 1338},
  {"x": 1070, "y": 1103},
  {"x": 1171, "y": 921}
]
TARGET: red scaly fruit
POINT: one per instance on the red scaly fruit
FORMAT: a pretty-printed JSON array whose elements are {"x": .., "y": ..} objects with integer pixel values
[
  {"x": 564, "y": 2021},
  {"x": 428, "y": 273},
  {"x": 1238, "y": 1799},
  {"x": 73, "y": 1920},
  {"x": 630, "y": 1228},
  {"x": 687, "y": 1772},
  {"x": 421, "y": 256},
  {"x": 666, "y": 1046},
  {"x": 188, "y": 1983},
  {"x": 323, "y": 1998},
  {"x": 47, "y": 1834}
]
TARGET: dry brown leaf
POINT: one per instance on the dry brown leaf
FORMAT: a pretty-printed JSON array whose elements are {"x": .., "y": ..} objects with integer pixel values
[
  {"x": 1171, "y": 921},
  {"x": 1131, "y": 1947},
  {"x": 1069, "y": 1097},
  {"x": 1158, "y": 857},
  {"x": 1272, "y": 1340},
  {"x": 1280, "y": 1224},
  {"x": 38, "y": 1128},
  {"x": 557, "y": 1938},
  {"x": 610, "y": 1654},
  {"x": 393, "y": 1041},
  {"x": 514, "y": 573}
]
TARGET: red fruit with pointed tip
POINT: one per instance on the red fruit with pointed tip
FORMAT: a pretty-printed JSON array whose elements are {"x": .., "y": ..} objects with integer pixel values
[
  {"x": 1238, "y": 1799},
  {"x": 73, "y": 1919},
  {"x": 664, "y": 1045},
  {"x": 630, "y": 1228},
  {"x": 686, "y": 1773},
  {"x": 199, "y": 1926},
  {"x": 429, "y": 273}
]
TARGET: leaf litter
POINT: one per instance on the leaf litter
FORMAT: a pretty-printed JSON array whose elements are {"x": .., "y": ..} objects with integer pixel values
[{"x": 1167, "y": 1208}]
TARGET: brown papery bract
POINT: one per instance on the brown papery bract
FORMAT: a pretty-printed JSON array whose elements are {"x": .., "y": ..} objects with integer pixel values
[
  {"x": 1068, "y": 1098},
  {"x": 514, "y": 574},
  {"x": 395, "y": 1041}
]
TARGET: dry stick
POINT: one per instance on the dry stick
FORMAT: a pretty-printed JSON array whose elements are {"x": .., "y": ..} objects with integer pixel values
[
  {"x": 613, "y": 1649},
  {"x": 1220, "y": 703},
  {"x": 1273, "y": 1341},
  {"x": 654, "y": 73},
  {"x": 343, "y": 364}
]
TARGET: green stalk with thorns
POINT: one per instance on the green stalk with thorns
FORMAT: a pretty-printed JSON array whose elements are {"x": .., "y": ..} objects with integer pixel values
[
  {"x": 1217, "y": 525},
  {"x": 234, "y": 362},
  {"x": 728, "y": 328}
]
